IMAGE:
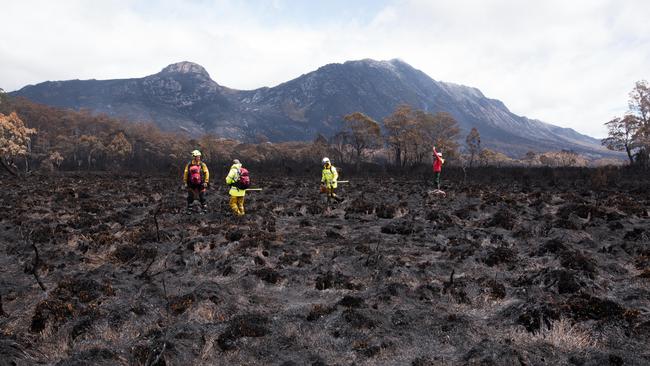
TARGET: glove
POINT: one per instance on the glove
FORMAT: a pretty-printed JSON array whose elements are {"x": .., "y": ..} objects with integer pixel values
[{"x": 205, "y": 185}]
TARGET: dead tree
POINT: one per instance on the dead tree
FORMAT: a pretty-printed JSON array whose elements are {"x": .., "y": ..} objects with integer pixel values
[{"x": 36, "y": 262}]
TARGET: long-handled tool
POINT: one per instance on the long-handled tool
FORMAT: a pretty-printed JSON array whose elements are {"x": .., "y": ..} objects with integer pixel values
[
  {"x": 342, "y": 181},
  {"x": 253, "y": 189}
]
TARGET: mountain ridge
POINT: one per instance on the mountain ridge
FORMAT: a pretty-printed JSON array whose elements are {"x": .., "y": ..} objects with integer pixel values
[{"x": 183, "y": 97}]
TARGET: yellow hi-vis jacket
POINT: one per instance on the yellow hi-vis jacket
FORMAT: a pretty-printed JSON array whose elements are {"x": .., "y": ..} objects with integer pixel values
[
  {"x": 232, "y": 177},
  {"x": 204, "y": 170},
  {"x": 330, "y": 176}
]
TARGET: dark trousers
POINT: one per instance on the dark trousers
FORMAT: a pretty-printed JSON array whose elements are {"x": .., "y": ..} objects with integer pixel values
[
  {"x": 195, "y": 192},
  {"x": 436, "y": 179}
]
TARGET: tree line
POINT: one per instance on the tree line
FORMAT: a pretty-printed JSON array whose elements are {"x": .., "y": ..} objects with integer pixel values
[{"x": 35, "y": 136}]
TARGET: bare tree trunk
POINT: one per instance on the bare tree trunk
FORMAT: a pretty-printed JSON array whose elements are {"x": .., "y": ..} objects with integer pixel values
[
  {"x": 359, "y": 152},
  {"x": 629, "y": 154},
  {"x": 398, "y": 156},
  {"x": 29, "y": 151}
]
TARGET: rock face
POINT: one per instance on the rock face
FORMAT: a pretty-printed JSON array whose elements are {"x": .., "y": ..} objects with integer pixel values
[{"x": 184, "y": 97}]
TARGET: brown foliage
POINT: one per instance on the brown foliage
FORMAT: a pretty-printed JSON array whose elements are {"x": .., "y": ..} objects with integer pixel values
[
  {"x": 410, "y": 134},
  {"x": 563, "y": 158},
  {"x": 363, "y": 133},
  {"x": 81, "y": 140},
  {"x": 14, "y": 137},
  {"x": 493, "y": 158}
]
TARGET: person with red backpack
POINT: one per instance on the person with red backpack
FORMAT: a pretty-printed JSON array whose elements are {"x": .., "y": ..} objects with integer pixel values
[
  {"x": 437, "y": 166},
  {"x": 196, "y": 178},
  {"x": 238, "y": 180}
]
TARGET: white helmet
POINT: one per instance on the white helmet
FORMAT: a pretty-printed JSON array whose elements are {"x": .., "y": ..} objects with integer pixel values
[
  {"x": 326, "y": 160},
  {"x": 196, "y": 153}
]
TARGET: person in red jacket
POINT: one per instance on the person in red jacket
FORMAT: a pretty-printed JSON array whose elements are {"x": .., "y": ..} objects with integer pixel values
[{"x": 437, "y": 166}]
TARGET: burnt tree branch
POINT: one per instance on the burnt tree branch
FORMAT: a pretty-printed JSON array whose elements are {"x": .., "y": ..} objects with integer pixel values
[
  {"x": 8, "y": 168},
  {"x": 160, "y": 354},
  {"x": 144, "y": 273},
  {"x": 449, "y": 286},
  {"x": 2, "y": 312},
  {"x": 155, "y": 221},
  {"x": 36, "y": 263}
]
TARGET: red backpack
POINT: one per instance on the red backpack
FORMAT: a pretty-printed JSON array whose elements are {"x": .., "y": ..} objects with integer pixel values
[
  {"x": 195, "y": 178},
  {"x": 243, "y": 181}
]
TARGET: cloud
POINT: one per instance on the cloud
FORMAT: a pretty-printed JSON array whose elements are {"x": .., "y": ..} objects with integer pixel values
[{"x": 567, "y": 63}]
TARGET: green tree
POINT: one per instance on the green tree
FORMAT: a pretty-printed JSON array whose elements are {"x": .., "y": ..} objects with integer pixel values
[
  {"x": 639, "y": 105},
  {"x": 632, "y": 132},
  {"x": 621, "y": 135}
]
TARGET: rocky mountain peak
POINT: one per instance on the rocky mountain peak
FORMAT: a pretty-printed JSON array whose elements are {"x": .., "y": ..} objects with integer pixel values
[
  {"x": 374, "y": 64},
  {"x": 186, "y": 67},
  {"x": 183, "y": 97}
]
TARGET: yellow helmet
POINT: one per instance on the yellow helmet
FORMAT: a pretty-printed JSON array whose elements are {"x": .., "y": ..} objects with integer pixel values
[{"x": 196, "y": 153}]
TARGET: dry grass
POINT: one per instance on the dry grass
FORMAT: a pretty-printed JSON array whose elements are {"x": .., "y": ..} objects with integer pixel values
[
  {"x": 208, "y": 347},
  {"x": 561, "y": 334},
  {"x": 96, "y": 259},
  {"x": 204, "y": 312},
  {"x": 55, "y": 345}
]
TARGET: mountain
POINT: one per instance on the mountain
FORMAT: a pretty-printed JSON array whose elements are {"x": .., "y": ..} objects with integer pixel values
[{"x": 184, "y": 97}]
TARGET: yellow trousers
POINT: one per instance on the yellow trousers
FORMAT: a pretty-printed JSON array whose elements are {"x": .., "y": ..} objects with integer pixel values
[{"x": 237, "y": 205}]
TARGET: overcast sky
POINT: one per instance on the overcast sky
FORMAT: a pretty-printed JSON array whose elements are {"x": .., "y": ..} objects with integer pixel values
[{"x": 570, "y": 63}]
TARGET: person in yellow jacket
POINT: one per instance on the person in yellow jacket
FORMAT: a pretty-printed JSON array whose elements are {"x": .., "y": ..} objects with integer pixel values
[
  {"x": 329, "y": 179},
  {"x": 236, "y": 194},
  {"x": 196, "y": 178}
]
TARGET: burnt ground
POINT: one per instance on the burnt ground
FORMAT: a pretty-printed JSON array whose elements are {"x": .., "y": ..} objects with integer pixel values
[{"x": 494, "y": 274}]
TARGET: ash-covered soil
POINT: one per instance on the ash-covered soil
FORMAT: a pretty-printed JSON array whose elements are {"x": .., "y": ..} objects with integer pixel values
[{"x": 493, "y": 274}]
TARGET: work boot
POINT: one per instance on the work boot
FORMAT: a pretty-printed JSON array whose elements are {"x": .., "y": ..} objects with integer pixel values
[
  {"x": 204, "y": 209},
  {"x": 188, "y": 210}
]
